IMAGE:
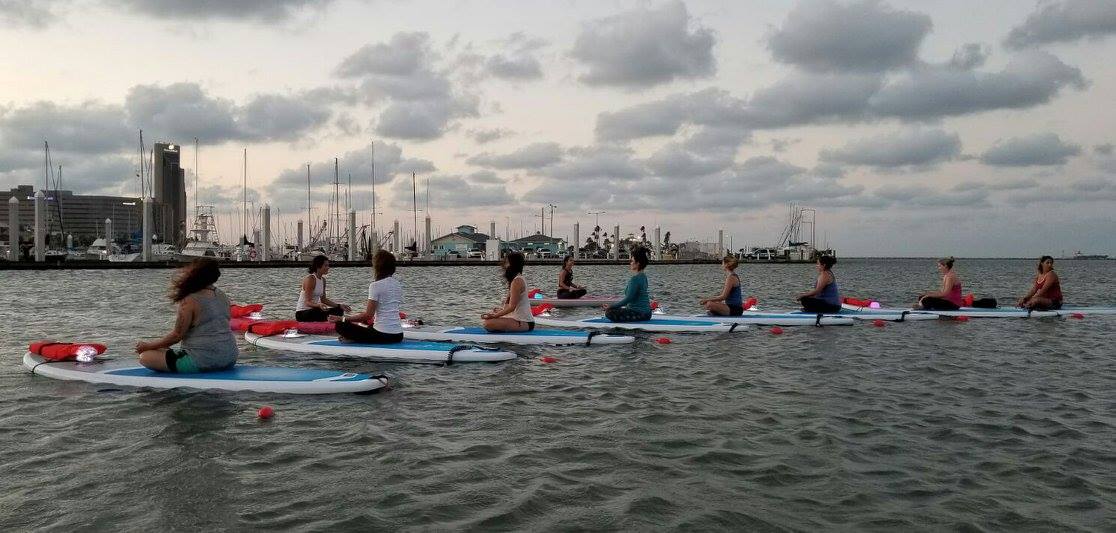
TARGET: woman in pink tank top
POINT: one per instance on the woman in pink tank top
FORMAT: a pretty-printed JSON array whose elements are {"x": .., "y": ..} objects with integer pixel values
[{"x": 948, "y": 298}]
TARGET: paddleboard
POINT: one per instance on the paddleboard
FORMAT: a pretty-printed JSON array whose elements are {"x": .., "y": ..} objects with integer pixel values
[
  {"x": 675, "y": 324},
  {"x": 128, "y": 372},
  {"x": 584, "y": 301},
  {"x": 537, "y": 336},
  {"x": 869, "y": 314},
  {"x": 778, "y": 319},
  {"x": 408, "y": 351},
  {"x": 979, "y": 312}
]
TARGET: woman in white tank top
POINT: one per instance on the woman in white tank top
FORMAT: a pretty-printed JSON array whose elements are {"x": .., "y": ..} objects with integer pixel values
[
  {"x": 515, "y": 315},
  {"x": 312, "y": 304}
]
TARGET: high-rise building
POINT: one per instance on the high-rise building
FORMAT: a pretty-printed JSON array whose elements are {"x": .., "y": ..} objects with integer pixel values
[{"x": 169, "y": 181}]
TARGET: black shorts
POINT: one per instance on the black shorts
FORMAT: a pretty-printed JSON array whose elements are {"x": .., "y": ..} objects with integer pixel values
[
  {"x": 735, "y": 310},
  {"x": 366, "y": 334},
  {"x": 318, "y": 315}
]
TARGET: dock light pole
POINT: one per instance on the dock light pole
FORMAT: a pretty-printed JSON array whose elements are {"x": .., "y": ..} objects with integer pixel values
[{"x": 13, "y": 229}]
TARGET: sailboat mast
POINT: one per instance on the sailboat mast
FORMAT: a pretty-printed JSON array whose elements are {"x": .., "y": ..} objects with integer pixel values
[
  {"x": 336, "y": 231},
  {"x": 195, "y": 177},
  {"x": 143, "y": 184},
  {"x": 309, "y": 226},
  {"x": 244, "y": 214},
  {"x": 373, "y": 186},
  {"x": 414, "y": 207}
]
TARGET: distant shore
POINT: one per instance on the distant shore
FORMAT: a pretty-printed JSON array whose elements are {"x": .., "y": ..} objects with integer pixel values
[{"x": 108, "y": 265}]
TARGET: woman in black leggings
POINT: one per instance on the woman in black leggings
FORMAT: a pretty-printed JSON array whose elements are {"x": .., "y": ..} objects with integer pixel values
[{"x": 566, "y": 288}]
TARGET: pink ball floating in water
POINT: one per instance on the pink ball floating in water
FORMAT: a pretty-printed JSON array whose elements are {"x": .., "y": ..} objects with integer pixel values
[
  {"x": 878, "y": 323},
  {"x": 548, "y": 359},
  {"x": 962, "y": 318},
  {"x": 265, "y": 412},
  {"x": 663, "y": 340},
  {"x": 776, "y": 330},
  {"x": 1078, "y": 316}
]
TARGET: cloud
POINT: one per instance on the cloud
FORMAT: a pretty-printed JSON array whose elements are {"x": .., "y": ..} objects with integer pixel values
[
  {"x": 1104, "y": 149},
  {"x": 485, "y": 177},
  {"x": 922, "y": 93},
  {"x": 389, "y": 163},
  {"x": 1064, "y": 21},
  {"x": 449, "y": 191},
  {"x": 517, "y": 62},
  {"x": 422, "y": 103},
  {"x": 1041, "y": 149},
  {"x": 921, "y": 196},
  {"x": 596, "y": 162},
  {"x": 910, "y": 148},
  {"x": 237, "y": 10},
  {"x": 1079, "y": 191},
  {"x": 708, "y": 107},
  {"x": 532, "y": 156},
  {"x": 1029, "y": 79},
  {"x": 184, "y": 111},
  {"x": 863, "y": 36},
  {"x": 485, "y": 136},
  {"x": 85, "y": 128},
  {"x": 28, "y": 13},
  {"x": 970, "y": 56},
  {"x": 676, "y": 160},
  {"x": 644, "y": 47}
]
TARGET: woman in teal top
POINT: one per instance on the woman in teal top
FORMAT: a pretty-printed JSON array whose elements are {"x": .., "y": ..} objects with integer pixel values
[{"x": 636, "y": 305}]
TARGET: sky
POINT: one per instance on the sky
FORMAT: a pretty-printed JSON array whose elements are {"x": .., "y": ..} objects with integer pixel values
[{"x": 912, "y": 128}]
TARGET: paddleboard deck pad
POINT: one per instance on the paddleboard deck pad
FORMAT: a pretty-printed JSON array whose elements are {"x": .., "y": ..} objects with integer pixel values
[
  {"x": 778, "y": 319},
  {"x": 537, "y": 336},
  {"x": 128, "y": 372},
  {"x": 408, "y": 351},
  {"x": 996, "y": 312},
  {"x": 657, "y": 323},
  {"x": 584, "y": 301}
]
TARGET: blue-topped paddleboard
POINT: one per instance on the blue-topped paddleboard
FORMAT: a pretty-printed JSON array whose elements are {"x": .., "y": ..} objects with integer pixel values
[
  {"x": 128, "y": 372},
  {"x": 536, "y": 336},
  {"x": 680, "y": 325},
  {"x": 408, "y": 351},
  {"x": 780, "y": 319}
]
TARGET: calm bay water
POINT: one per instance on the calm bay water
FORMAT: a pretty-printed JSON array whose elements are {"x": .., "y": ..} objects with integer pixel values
[{"x": 984, "y": 425}]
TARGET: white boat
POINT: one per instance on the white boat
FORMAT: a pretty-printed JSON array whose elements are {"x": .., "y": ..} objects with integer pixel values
[{"x": 159, "y": 252}]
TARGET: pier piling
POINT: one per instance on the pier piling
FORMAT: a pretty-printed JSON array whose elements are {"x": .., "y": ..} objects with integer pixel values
[{"x": 13, "y": 229}]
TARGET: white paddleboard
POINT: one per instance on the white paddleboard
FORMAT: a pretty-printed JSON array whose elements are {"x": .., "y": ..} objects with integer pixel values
[
  {"x": 584, "y": 301},
  {"x": 537, "y": 336},
  {"x": 978, "y": 312},
  {"x": 778, "y": 319},
  {"x": 408, "y": 351},
  {"x": 676, "y": 324},
  {"x": 128, "y": 372},
  {"x": 866, "y": 313}
]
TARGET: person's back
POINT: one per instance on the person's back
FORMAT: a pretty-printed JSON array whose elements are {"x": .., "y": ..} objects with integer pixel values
[
  {"x": 388, "y": 294},
  {"x": 209, "y": 341},
  {"x": 830, "y": 294}
]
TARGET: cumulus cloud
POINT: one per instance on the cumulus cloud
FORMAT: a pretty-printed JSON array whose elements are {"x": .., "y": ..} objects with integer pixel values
[
  {"x": 422, "y": 102},
  {"x": 185, "y": 110},
  {"x": 597, "y": 162},
  {"x": 84, "y": 128},
  {"x": 1041, "y": 149},
  {"x": 532, "y": 156},
  {"x": 517, "y": 61},
  {"x": 1030, "y": 79},
  {"x": 863, "y": 36},
  {"x": 970, "y": 56},
  {"x": 644, "y": 47},
  {"x": 911, "y": 148},
  {"x": 709, "y": 107},
  {"x": 447, "y": 192},
  {"x": 239, "y": 10},
  {"x": 389, "y": 163},
  {"x": 1064, "y": 21}
]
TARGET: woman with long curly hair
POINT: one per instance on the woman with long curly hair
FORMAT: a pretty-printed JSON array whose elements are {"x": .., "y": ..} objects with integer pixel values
[
  {"x": 515, "y": 315},
  {"x": 202, "y": 325}
]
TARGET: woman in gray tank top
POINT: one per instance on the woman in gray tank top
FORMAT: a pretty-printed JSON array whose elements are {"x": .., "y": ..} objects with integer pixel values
[{"x": 202, "y": 325}]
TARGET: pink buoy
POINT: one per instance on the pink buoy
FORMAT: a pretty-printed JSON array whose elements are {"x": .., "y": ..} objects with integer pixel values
[
  {"x": 548, "y": 359},
  {"x": 663, "y": 340},
  {"x": 265, "y": 412},
  {"x": 776, "y": 330},
  {"x": 878, "y": 323}
]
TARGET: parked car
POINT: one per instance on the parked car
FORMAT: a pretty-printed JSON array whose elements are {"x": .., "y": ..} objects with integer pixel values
[{"x": 476, "y": 254}]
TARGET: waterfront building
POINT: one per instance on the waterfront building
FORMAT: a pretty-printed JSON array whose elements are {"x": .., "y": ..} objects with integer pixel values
[
  {"x": 540, "y": 245},
  {"x": 169, "y": 183},
  {"x": 459, "y": 243},
  {"x": 83, "y": 216}
]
